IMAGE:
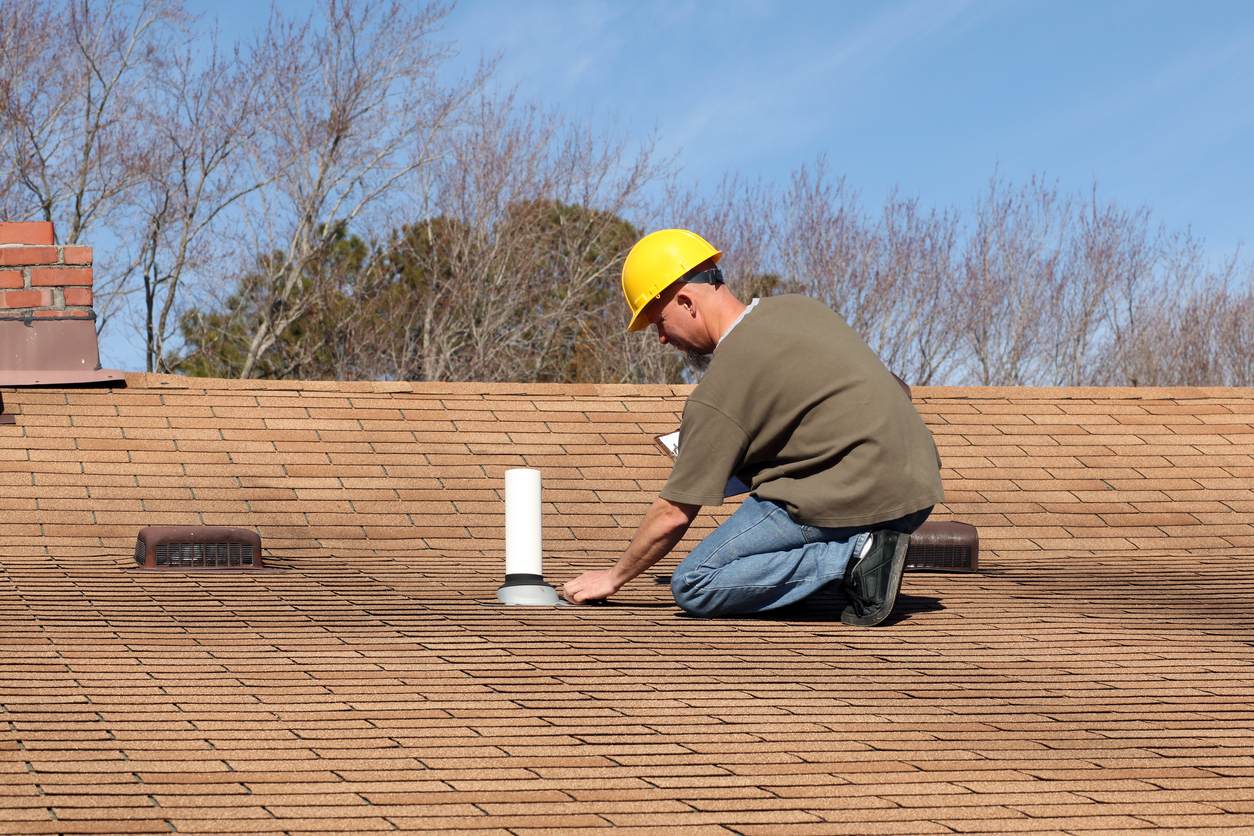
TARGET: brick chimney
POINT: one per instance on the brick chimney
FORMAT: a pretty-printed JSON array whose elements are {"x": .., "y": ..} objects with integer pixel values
[{"x": 47, "y": 325}]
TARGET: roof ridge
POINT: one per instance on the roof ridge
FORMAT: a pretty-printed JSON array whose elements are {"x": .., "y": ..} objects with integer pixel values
[{"x": 152, "y": 380}]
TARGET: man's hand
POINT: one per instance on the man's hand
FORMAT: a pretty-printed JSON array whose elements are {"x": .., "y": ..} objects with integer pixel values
[
  {"x": 591, "y": 586},
  {"x": 663, "y": 526}
]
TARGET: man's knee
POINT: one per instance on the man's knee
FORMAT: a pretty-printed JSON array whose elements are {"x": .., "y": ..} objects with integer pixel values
[
  {"x": 692, "y": 596},
  {"x": 685, "y": 594}
]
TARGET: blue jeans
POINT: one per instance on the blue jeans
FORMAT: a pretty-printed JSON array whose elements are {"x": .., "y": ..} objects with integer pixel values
[{"x": 761, "y": 559}]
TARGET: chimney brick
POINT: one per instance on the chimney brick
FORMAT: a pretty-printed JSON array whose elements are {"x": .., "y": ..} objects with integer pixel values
[
  {"x": 20, "y": 256},
  {"x": 78, "y": 296},
  {"x": 76, "y": 254},
  {"x": 26, "y": 299},
  {"x": 27, "y": 232},
  {"x": 44, "y": 285},
  {"x": 60, "y": 276}
]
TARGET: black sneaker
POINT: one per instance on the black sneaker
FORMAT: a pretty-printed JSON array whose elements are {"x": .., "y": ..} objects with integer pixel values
[{"x": 871, "y": 584}]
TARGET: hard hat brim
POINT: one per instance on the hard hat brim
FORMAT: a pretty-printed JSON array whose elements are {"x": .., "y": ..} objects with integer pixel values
[{"x": 639, "y": 322}]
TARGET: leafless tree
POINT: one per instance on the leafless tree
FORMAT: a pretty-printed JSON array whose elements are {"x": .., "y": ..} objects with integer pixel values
[
  {"x": 1175, "y": 328},
  {"x": 508, "y": 270},
  {"x": 520, "y": 241},
  {"x": 204, "y": 113},
  {"x": 361, "y": 111},
  {"x": 909, "y": 317},
  {"x": 75, "y": 146},
  {"x": 1011, "y": 281},
  {"x": 889, "y": 276},
  {"x": 739, "y": 218},
  {"x": 1108, "y": 253},
  {"x": 1235, "y": 334},
  {"x": 319, "y": 201},
  {"x": 74, "y": 77}
]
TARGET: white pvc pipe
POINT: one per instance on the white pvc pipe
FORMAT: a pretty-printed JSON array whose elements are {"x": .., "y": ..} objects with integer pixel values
[{"x": 523, "y": 545}]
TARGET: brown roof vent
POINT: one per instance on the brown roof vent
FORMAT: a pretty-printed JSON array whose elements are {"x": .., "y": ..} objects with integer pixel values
[
  {"x": 944, "y": 546},
  {"x": 183, "y": 547}
]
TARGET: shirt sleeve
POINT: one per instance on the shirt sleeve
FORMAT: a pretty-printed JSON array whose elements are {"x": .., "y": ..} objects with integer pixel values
[{"x": 711, "y": 448}]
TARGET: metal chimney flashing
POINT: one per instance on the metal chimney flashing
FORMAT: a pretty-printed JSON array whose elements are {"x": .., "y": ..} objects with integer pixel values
[{"x": 51, "y": 352}]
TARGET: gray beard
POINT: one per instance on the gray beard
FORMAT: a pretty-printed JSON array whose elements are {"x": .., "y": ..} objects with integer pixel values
[{"x": 698, "y": 361}]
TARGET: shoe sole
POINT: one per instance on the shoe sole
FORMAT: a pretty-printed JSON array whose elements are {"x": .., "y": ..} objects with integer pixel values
[{"x": 882, "y": 612}]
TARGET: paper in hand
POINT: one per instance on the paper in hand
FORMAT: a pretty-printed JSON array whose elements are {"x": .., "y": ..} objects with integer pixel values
[{"x": 669, "y": 445}]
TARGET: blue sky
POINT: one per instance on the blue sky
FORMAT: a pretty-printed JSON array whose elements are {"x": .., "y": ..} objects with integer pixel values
[{"x": 1151, "y": 100}]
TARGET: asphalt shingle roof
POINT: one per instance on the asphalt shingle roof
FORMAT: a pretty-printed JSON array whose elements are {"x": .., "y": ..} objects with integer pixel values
[{"x": 1095, "y": 675}]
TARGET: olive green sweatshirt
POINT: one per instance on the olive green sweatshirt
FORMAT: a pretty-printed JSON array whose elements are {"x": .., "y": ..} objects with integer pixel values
[{"x": 799, "y": 407}]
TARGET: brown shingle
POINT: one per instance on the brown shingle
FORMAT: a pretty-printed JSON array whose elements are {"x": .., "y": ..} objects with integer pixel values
[{"x": 1095, "y": 676}]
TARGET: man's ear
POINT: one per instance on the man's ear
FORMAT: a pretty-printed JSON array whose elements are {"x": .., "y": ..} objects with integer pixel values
[{"x": 684, "y": 299}]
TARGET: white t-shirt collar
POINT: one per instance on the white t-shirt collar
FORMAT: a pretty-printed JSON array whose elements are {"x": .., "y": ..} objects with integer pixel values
[{"x": 748, "y": 308}]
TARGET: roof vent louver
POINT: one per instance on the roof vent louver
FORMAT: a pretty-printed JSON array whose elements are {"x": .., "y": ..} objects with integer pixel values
[
  {"x": 945, "y": 547},
  {"x": 182, "y": 547}
]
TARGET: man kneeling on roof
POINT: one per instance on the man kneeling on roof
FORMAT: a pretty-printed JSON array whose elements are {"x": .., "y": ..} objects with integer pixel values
[{"x": 840, "y": 467}]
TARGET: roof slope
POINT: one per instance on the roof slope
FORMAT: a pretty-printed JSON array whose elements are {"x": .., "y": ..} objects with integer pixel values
[{"x": 1097, "y": 674}]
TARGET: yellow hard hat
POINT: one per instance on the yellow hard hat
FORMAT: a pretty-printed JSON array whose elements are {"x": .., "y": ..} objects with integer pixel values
[{"x": 658, "y": 260}]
